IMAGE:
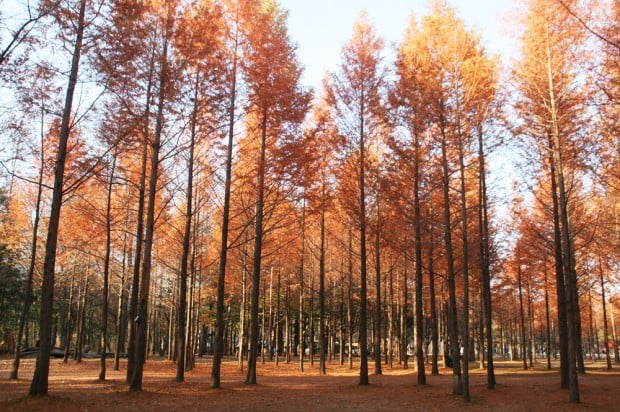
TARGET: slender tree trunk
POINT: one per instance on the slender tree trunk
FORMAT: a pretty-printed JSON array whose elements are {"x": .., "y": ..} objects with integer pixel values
[
  {"x": 31, "y": 266},
  {"x": 483, "y": 221},
  {"x": 568, "y": 261},
  {"x": 547, "y": 319},
  {"x": 322, "y": 337},
  {"x": 390, "y": 346},
  {"x": 106, "y": 273},
  {"x": 457, "y": 383},
  {"x": 268, "y": 337},
  {"x": 605, "y": 327},
  {"x": 433, "y": 309},
  {"x": 142, "y": 314},
  {"x": 39, "y": 384},
  {"x": 277, "y": 346},
  {"x": 522, "y": 319},
  {"x": 350, "y": 300},
  {"x": 120, "y": 312},
  {"x": 404, "y": 336},
  {"x": 301, "y": 287},
  {"x": 69, "y": 331},
  {"x": 559, "y": 277},
  {"x": 614, "y": 336},
  {"x": 419, "y": 284},
  {"x": 181, "y": 315},
  {"x": 379, "y": 311},
  {"x": 256, "y": 262},
  {"x": 465, "y": 242},
  {"x": 242, "y": 309},
  {"x": 137, "y": 263},
  {"x": 363, "y": 329}
]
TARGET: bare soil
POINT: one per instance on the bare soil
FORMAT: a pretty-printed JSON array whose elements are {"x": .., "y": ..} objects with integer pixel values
[{"x": 75, "y": 387}]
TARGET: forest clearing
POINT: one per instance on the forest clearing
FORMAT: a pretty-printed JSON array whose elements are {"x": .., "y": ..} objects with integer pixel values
[{"x": 74, "y": 387}]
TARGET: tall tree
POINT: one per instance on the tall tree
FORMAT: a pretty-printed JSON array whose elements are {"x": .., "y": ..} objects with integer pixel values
[
  {"x": 276, "y": 103},
  {"x": 166, "y": 18},
  {"x": 548, "y": 102},
  {"x": 232, "y": 92},
  {"x": 356, "y": 94},
  {"x": 39, "y": 384}
]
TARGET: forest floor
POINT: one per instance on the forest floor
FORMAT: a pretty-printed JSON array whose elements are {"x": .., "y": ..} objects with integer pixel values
[{"x": 75, "y": 387}]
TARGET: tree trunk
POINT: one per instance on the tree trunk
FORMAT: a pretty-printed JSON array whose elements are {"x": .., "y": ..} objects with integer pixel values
[
  {"x": 322, "y": 335},
  {"x": 137, "y": 263},
  {"x": 23, "y": 320},
  {"x": 301, "y": 287},
  {"x": 69, "y": 330},
  {"x": 219, "y": 314},
  {"x": 120, "y": 309},
  {"x": 256, "y": 262},
  {"x": 39, "y": 384},
  {"x": 350, "y": 300},
  {"x": 106, "y": 273},
  {"x": 419, "y": 288},
  {"x": 465, "y": 242},
  {"x": 485, "y": 253},
  {"x": 242, "y": 308},
  {"x": 568, "y": 257},
  {"x": 142, "y": 314},
  {"x": 379, "y": 309},
  {"x": 457, "y": 383},
  {"x": 605, "y": 327},
  {"x": 522, "y": 319},
  {"x": 404, "y": 307},
  {"x": 181, "y": 315},
  {"x": 363, "y": 342}
]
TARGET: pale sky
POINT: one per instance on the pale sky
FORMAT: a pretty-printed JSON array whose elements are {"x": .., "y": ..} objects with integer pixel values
[{"x": 321, "y": 27}]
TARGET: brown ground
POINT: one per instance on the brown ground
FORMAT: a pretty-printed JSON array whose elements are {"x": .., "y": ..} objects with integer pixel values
[{"x": 74, "y": 387}]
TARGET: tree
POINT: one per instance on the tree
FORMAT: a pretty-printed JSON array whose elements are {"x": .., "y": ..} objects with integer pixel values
[
  {"x": 39, "y": 383},
  {"x": 276, "y": 103},
  {"x": 548, "y": 102},
  {"x": 166, "y": 21},
  {"x": 356, "y": 95}
]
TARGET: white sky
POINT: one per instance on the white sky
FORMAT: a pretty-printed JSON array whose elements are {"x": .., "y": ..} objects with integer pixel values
[{"x": 322, "y": 27}]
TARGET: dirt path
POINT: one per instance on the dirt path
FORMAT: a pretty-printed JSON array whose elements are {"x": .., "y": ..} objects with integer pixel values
[{"x": 74, "y": 387}]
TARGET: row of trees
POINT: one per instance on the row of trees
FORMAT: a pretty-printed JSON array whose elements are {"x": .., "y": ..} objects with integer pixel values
[{"x": 196, "y": 198}]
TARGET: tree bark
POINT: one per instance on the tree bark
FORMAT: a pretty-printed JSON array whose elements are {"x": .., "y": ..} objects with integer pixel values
[
  {"x": 256, "y": 261},
  {"x": 221, "y": 280},
  {"x": 142, "y": 314},
  {"x": 39, "y": 384},
  {"x": 181, "y": 315},
  {"x": 31, "y": 266},
  {"x": 485, "y": 253},
  {"x": 106, "y": 273}
]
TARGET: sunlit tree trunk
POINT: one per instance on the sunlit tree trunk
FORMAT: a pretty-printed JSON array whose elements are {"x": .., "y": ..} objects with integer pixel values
[
  {"x": 142, "y": 314},
  {"x": 256, "y": 261},
  {"x": 181, "y": 331},
  {"x": 137, "y": 263},
  {"x": 483, "y": 223},
  {"x": 322, "y": 337},
  {"x": 379, "y": 311},
  {"x": 604, "y": 303},
  {"x": 419, "y": 284},
  {"x": 39, "y": 384},
  {"x": 106, "y": 272},
  {"x": 457, "y": 383}
]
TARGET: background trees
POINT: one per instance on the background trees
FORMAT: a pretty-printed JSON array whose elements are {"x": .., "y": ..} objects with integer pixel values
[{"x": 197, "y": 132}]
